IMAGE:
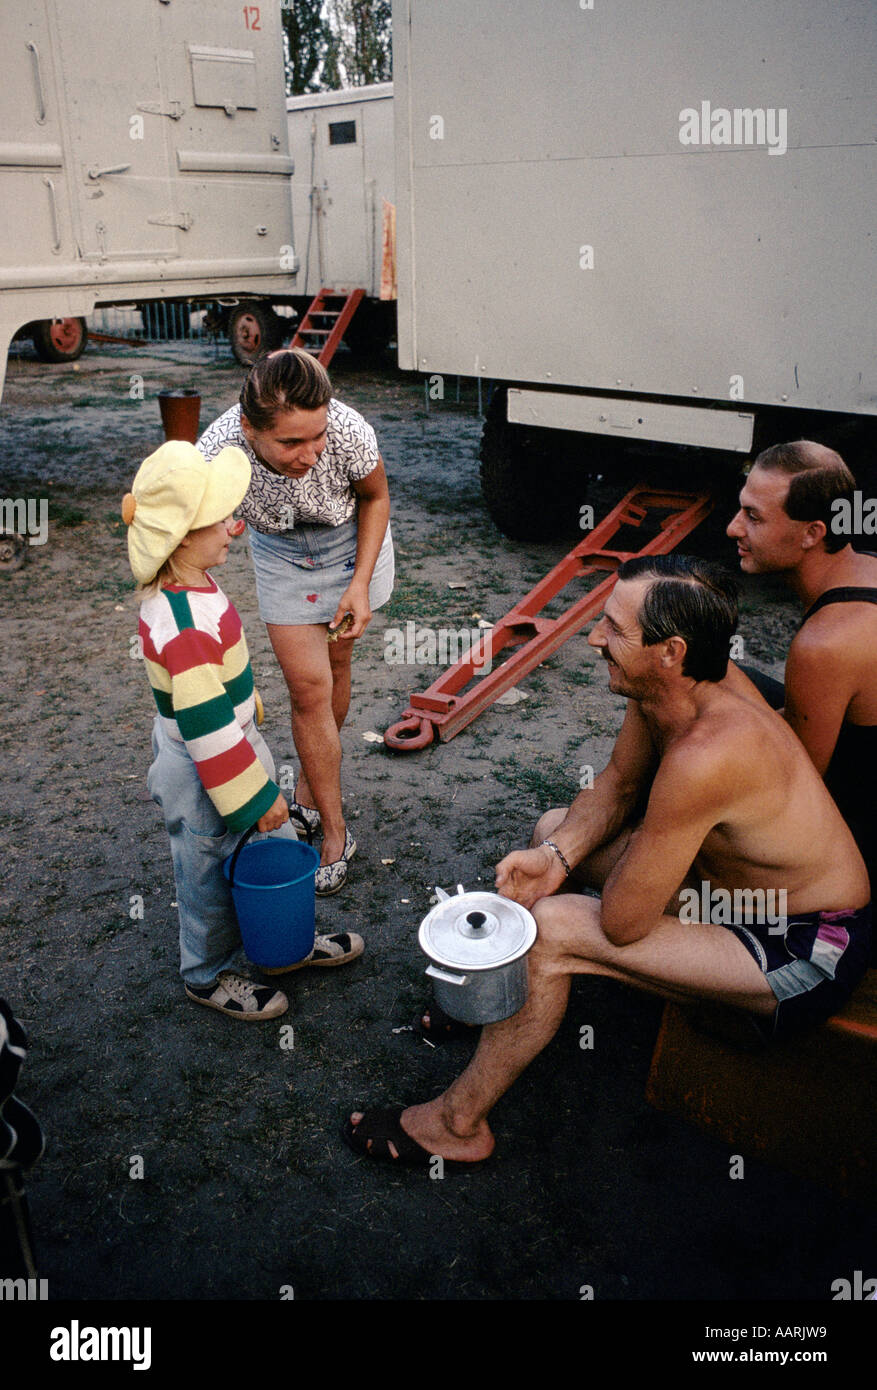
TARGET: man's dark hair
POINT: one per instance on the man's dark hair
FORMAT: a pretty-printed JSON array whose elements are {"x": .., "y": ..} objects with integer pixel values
[
  {"x": 818, "y": 477},
  {"x": 289, "y": 380},
  {"x": 690, "y": 598}
]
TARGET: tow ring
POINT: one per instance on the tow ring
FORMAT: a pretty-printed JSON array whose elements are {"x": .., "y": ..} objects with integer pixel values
[{"x": 410, "y": 735}]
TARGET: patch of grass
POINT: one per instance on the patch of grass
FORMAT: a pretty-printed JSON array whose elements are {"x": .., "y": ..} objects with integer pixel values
[
  {"x": 411, "y": 597},
  {"x": 579, "y": 675},
  {"x": 464, "y": 835},
  {"x": 106, "y": 932},
  {"x": 111, "y": 586},
  {"x": 534, "y": 710},
  {"x": 67, "y": 515},
  {"x": 447, "y": 503},
  {"x": 549, "y": 784},
  {"x": 598, "y": 729}
]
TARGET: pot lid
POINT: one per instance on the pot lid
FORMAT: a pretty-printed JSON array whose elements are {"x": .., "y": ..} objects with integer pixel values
[{"x": 476, "y": 931}]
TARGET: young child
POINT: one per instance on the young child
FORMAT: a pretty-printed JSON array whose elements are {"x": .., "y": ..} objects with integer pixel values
[{"x": 212, "y": 773}]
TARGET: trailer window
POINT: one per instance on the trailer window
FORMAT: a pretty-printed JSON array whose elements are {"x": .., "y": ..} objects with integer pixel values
[{"x": 342, "y": 132}]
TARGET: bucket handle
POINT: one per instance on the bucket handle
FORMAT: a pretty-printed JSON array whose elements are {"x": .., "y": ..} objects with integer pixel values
[{"x": 293, "y": 815}]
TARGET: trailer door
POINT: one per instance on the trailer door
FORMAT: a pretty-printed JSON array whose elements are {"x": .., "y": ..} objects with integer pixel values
[
  {"x": 342, "y": 135},
  {"x": 120, "y": 189}
]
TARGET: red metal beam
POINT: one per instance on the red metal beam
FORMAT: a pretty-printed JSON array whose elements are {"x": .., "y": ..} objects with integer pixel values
[{"x": 446, "y": 706}]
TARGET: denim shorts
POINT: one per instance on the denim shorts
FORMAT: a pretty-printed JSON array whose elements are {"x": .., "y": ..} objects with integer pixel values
[{"x": 301, "y": 574}]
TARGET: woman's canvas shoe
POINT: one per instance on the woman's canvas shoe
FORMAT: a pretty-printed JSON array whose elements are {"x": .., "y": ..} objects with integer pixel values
[
  {"x": 331, "y": 877},
  {"x": 309, "y": 814}
]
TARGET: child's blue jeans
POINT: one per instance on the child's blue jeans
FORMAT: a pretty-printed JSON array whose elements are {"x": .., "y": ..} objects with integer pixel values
[{"x": 210, "y": 940}]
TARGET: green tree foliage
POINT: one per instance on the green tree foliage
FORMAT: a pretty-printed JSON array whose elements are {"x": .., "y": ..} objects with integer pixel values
[
  {"x": 307, "y": 39},
  {"x": 337, "y": 43},
  {"x": 361, "y": 50}
]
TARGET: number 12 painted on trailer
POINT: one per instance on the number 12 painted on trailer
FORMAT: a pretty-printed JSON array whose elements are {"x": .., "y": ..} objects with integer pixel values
[{"x": 251, "y": 17}]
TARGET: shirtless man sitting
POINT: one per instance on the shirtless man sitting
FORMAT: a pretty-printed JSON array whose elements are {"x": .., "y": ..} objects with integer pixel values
[
  {"x": 733, "y": 802},
  {"x": 789, "y": 520}
]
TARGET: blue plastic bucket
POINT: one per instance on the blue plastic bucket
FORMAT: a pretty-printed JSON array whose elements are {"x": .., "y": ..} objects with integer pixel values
[{"x": 272, "y": 884}]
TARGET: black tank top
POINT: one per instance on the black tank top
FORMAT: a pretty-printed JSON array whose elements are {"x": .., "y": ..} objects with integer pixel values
[{"x": 852, "y": 773}]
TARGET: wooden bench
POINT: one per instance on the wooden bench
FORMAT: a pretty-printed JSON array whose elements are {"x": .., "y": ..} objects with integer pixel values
[{"x": 808, "y": 1104}]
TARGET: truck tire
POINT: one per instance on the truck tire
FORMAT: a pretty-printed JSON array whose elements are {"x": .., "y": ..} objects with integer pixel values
[
  {"x": 531, "y": 484},
  {"x": 253, "y": 330},
  {"x": 60, "y": 340}
]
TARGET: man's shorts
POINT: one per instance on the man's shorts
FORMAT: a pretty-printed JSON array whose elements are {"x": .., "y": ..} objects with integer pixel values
[{"x": 812, "y": 966}]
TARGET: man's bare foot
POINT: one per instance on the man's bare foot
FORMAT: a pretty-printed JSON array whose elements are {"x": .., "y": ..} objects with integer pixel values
[{"x": 427, "y": 1126}]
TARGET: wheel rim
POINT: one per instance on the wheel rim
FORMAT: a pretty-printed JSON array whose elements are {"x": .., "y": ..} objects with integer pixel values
[{"x": 65, "y": 334}]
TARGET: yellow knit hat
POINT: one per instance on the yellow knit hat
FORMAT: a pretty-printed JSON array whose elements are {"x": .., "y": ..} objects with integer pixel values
[{"x": 175, "y": 491}]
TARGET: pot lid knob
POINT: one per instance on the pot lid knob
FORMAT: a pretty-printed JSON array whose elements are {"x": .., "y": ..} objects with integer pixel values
[{"x": 478, "y": 924}]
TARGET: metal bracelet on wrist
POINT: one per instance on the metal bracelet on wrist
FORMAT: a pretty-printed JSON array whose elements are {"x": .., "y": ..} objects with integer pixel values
[{"x": 559, "y": 852}]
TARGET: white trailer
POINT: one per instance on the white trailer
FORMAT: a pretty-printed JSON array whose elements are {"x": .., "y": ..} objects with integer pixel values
[
  {"x": 342, "y": 146},
  {"x": 647, "y": 223},
  {"x": 144, "y": 155}
]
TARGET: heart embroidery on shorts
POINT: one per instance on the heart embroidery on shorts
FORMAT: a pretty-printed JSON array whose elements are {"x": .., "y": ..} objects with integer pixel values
[{"x": 311, "y": 598}]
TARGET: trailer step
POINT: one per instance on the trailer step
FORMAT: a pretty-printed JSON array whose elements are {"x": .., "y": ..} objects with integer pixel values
[
  {"x": 338, "y": 320},
  {"x": 447, "y": 707}
]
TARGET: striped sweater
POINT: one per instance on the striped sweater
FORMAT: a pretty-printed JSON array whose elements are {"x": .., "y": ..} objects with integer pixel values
[{"x": 199, "y": 669}]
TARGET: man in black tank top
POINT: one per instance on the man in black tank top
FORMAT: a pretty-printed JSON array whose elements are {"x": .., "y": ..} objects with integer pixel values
[{"x": 798, "y": 513}]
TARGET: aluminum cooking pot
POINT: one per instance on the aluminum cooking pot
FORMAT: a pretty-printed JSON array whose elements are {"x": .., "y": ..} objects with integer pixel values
[{"x": 477, "y": 944}]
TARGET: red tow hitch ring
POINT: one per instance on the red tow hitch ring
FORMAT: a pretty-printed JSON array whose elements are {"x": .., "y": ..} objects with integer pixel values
[{"x": 409, "y": 735}]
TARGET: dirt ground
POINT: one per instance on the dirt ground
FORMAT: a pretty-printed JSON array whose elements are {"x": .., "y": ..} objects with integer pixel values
[{"x": 239, "y": 1136}]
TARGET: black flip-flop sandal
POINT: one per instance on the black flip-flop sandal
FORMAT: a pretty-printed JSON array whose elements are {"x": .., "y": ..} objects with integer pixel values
[{"x": 380, "y": 1127}]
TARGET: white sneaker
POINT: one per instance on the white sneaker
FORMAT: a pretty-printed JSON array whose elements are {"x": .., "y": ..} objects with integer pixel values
[{"x": 239, "y": 997}]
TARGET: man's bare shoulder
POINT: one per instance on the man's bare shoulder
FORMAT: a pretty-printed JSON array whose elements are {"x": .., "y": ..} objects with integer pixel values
[
  {"x": 840, "y": 632},
  {"x": 731, "y": 732},
  {"x": 835, "y": 627},
  {"x": 707, "y": 753},
  {"x": 861, "y": 570}
]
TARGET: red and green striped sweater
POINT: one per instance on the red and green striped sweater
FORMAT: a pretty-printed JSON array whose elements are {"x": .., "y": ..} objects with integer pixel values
[{"x": 199, "y": 669}]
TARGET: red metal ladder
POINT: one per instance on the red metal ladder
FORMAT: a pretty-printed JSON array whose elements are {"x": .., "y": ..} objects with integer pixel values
[
  {"x": 323, "y": 323},
  {"x": 447, "y": 707}
]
